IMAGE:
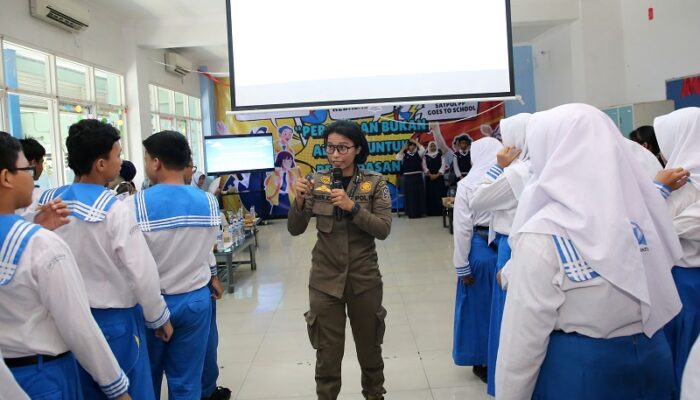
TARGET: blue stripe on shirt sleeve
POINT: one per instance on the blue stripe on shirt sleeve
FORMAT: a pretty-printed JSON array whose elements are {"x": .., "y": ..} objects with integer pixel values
[{"x": 663, "y": 189}]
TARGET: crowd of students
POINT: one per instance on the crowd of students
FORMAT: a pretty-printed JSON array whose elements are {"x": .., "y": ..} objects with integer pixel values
[
  {"x": 100, "y": 296},
  {"x": 578, "y": 258}
]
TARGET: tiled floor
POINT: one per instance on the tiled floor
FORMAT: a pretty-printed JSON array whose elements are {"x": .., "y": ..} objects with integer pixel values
[{"x": 264, "y": 351}]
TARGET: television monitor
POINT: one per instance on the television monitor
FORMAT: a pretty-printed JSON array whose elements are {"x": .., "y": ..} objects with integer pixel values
[{"x": 238, "y": 153}]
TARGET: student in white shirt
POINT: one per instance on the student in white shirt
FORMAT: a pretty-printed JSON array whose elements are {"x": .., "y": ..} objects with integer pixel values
[
  {"x": 678, "y": 135},
  {"x": 120, "y": 273},
  {"x": 475, "y": 262},
  {"x": 590, "y": 287},
  {"x": 10, "y": 387},
  {"x": 690, "y": 389},
  {"x": 497, "y": 195},
  {"x": 45, "y": 320},
  {"x": 180, "y": 224}
]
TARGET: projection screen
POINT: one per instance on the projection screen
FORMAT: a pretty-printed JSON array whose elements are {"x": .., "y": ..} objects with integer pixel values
[{"x": 311, "y": 53}]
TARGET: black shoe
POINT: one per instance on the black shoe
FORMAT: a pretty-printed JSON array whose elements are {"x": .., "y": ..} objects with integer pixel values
[
  {"x": 220, "y": 393},
  {"x": 481, "y": 372}
]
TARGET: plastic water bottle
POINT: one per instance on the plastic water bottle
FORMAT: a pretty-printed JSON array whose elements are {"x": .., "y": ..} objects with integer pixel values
[
  {"x": 239, "y": 230},
  {"x": 231, "y": 232},
  {"x": 252, "y": 212},
  {"x": 220, "y": 239}
]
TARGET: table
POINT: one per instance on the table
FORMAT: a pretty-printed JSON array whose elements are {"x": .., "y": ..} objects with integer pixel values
[
  {"x": 227, "y": 255},
  {"x": 448, "y": 213}
]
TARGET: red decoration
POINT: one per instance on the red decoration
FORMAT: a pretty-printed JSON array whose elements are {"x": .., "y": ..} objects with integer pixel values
[{"x": 650, "y": 13}]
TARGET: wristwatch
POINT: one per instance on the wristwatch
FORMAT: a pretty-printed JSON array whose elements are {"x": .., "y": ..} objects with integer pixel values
[{"x": 355, "y": 209}]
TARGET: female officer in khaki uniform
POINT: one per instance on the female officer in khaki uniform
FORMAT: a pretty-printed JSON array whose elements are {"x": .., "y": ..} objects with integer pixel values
[{"x": 344, "y": 272}]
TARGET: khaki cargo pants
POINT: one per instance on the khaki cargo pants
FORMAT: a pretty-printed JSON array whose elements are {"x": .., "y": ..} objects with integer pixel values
[{"x": 326, "y": 324}]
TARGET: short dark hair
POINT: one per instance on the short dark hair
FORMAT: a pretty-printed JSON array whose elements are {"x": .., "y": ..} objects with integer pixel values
[
  {"x": 284, "y": 128},
  {"x": 170, "y": 147},
  {"x": 352, "y": 131},
  {"x": 89, "y": 140},
  {"x": 646, "y": 134},
  {"x": 9, "y": 151},
  {"x": 128, "y": 170},
  {"x": 32, "y": 149}
]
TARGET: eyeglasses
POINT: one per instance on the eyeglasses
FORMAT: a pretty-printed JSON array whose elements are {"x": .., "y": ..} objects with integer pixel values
[
  {"x": 341, "y": 148},
  {"x": 30, "y": 170},
  {"x": 194, "y": 169}
]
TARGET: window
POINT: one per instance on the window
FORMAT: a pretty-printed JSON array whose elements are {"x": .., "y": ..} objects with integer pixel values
[
  {"x": 46, "y": 94},
  {"x": 175, "y": 111}
]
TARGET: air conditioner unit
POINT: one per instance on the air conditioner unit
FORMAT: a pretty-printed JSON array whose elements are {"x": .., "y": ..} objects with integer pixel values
[
  {"x": 177, "y": 64},
  {"x": 71, "y": 15}
]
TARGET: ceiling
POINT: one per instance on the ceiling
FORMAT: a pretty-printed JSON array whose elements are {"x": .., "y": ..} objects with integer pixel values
[{"x": 162, "y": 23}]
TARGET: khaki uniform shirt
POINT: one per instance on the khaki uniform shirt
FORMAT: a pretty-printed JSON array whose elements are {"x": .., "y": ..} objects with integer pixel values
[{"x": 345, "y": 251}]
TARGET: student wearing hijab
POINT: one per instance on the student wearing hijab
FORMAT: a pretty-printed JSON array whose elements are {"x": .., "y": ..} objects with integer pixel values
[
  {"x": 411, "y": 157},
  {"x": 199, "y": 180},
  {"x": 590, "y": 287},
  {"x": 498, "y": 196},
  {"x": 434, "y": 168},
  {"x": 678, "y": 134},
  {"x": 475, "y": 262}
]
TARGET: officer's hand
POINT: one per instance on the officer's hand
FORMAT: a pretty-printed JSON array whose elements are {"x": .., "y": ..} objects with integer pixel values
[
  {"x": 468, "y": 280},
  {"x": 506, "y": 156},
  {"x": 302, "y": 187},
  {"x": 165, "y": 332},
  {"x": 674, "y": 178},
  {"x": 52, "y": 215},
  {"x": 217, "y": 289},
  {"x": 341, "y": 200}
]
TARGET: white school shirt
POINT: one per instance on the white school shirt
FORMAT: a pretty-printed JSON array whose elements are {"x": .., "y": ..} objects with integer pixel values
[
  {"x": 45, "y": 310},
  {"x": 542, "y": 298},
  {"x": 684, "y": 205},
  {"x": 690, "y": 385},
  {"x": 116, "y": 263},
  {"x": 10, "y": 387},
  {"x": 464, "y": 220},
  {"x": 184, "y": 255},
  {"x": 496, "y": 196}
]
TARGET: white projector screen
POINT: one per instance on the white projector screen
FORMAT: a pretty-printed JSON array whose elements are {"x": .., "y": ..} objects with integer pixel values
[
  {"x": 238, "y": 153},
  {"x": 313, "y": 53}
]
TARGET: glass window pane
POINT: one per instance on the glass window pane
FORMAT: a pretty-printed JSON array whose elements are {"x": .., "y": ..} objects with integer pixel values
[
  {"x": 108, "y": 88},
  {"x": 164, "y": 101},
  {"x": 26, "y": 69},
  {"x": 182, "y": 126},
  {"x": 68, "y": 114},
  {"x": 166, "y": 124},
  {"x": 195, "y": 108},
  {"x": 152, "y": 98},
  {"x": 196, "y": 143},
  {"x": 154, "y": 123},
  {"x": 71, "y": 79},
  {"x": 180, "y": 104},
  {"x": 30, "y": 117}
]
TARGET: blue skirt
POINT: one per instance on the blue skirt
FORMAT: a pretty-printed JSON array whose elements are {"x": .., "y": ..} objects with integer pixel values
[
  {"x": 682, "y": 331},
  {"x": 472, "y": 305},
  {"x": 579, "y": 367},
  {"x": 498, "y": 303}
]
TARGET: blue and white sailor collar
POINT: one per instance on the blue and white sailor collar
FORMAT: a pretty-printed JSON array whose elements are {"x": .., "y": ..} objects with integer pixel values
[
  {"x": 15, "y": 233},
  {"x": 175, "y": 206},
  {"x": 87, "y": 202}
]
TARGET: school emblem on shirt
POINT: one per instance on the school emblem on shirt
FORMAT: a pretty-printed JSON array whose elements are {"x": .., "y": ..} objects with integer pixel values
[
  {"x": 365, "y": 187},
  {"x": 325, "y": 179},
  {"x": 641, "y": 239},
  {"x": 323, "y": 188}
]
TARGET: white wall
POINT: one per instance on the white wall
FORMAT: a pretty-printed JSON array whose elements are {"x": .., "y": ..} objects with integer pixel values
[
  {"x": 109, "y": 43},
  {"x": 612, "y": 54},
  {"x": 662, "y": 49}
]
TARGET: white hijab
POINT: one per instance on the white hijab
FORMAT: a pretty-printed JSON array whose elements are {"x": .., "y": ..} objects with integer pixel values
[
  {"x": 678, "y": 134},
  {"x": 483, "y": 157},
  {"x": 429, "y": 153},
  {"x": 513, "y": 134},
  {"x": 647, "y": 160},
  {"x": 195, "y": 180},
  {"x": 587, "y": 186}
]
